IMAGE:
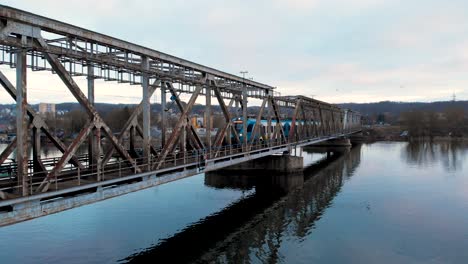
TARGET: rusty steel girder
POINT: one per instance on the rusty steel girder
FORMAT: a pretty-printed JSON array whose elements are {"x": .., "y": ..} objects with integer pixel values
[
  {"x": 39, "y": 121},
  {"x": 132, "y": 120},
  {"x": 23, "y": 34},
  {"x": 177, "y": 129}
]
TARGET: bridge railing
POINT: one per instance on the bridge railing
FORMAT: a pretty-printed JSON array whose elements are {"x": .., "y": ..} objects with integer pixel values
[{"x": 118, "y": 168}]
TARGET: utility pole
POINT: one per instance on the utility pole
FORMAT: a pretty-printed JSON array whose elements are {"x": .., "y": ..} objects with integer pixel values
[{"x": 243, "y": 74}]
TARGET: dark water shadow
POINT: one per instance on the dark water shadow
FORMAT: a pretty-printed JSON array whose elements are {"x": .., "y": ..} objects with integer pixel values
[{"x": 254, "y": 222}]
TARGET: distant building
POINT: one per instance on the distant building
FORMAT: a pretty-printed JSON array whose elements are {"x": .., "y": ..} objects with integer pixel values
[
  {"x": 47, "y": 109},
  {"x": 199, "y": 122}
]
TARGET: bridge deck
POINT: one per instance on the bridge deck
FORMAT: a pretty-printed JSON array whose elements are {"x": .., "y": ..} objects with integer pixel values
[{"x": 76, "y": 190}]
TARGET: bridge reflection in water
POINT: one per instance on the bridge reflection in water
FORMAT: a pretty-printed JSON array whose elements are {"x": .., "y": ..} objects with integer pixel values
[{"x": 281, "y": 206}]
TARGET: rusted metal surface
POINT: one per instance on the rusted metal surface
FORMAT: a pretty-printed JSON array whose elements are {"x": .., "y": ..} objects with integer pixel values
[
  {"x": 256, "y": 128},
  {"x": 177, "y": 128},
  {"x": 80, "y": 52},
  {"x": 43, "y": 187},
  {"x": 22, "y": 121},
  {"x": 277, "y": 117},
  {"x": 292, "y": 132},
  {"x": 207, "y": 120},
  {"x": 163, "y": 115},
  {"x": 193, "y": 136},
  {"x": 77, "y": 34},
  {"x": 225, "y": 131},
  {"x": 8, "y": 150},
  {"x": 146, "y": 113},
  {"x": 129, "y": 123},
  {"x": 81, "y": 98},
  {"x": 92, "y": 144},
  {"x": 38, "y": 166}
]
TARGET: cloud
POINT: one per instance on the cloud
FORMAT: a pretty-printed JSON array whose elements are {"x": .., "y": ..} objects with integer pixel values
[{"x": 337, "y": 50}]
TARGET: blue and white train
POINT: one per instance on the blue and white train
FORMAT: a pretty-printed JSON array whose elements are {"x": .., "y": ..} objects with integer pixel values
[{"x": 264, "y": 133}]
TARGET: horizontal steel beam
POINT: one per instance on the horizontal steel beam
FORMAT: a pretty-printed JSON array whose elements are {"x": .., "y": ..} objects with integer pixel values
[{"x": 64, "y": 29}]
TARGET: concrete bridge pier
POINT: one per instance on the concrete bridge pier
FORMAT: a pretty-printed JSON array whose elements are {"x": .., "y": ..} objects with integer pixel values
[
  {"x": 338, "y": 142},
  {"x": 274, "y": 164},
  {"x": 340, "y": 146},
  {"x": 262, "y": 182}
]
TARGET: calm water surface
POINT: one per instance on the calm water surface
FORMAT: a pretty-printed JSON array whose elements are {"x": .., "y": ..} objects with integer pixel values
[{"x": 377, "y": 203}]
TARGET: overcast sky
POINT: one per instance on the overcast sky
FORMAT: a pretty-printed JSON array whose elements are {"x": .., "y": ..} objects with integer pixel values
[{"x": 334, "y": 50}]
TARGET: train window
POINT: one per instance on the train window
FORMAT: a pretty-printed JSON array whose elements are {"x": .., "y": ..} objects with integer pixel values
[{"x": 250, "y": 128}]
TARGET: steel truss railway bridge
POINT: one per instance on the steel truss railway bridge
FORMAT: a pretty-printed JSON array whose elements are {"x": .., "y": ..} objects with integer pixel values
[{"x": 113, "y": 166}]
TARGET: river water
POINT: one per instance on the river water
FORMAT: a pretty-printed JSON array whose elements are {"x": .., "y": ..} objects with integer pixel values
[{"x": 376, "y": 203}]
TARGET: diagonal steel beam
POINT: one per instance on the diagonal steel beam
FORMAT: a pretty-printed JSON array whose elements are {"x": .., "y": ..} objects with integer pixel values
[
  {"x": 315, "y": 124},
  {"x": 322, "y": 121},
  {"x": 44, "y": 186},
  {"x": 225, "y": 110},
  {"x": 81, "y": 98},
  {"x": 193, "y": 136},
  {"x": 292, "y": 131},
  {"x": 140, "y": 132},
  {"x": 257, "y": 124},
  {"x": 128, "y": 124},
  {"x": 227, "y": 126},
  {"x": 176, "y": 131},
  {"x": 277, "y": 117},
  {"x": 11, "y": 90},
  {"x": 6, "y": 152},
  {"x": 333, "y": 122},
  {"x": 306, "y": 122},
  {"x": 120, "y": 149},
  {"x": 231, "y": 127},
  {"x": 220, "y": 136}
]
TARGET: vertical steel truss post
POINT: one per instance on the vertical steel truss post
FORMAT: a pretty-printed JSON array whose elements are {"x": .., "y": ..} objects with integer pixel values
[
  {"x": 21, "y": 120},
  {"x": 97, "y": 151},
  {"x": 92, "y": 144},
  {"x": 146, "y": 114},
  {"x": 323, "y": 122},
  {"x": 333, "y": 122},
  {"x": 163, "y": 115},
  {"x": 306, "y": 129},
  {"x": 208, "y": 124},
  {"x": 132, "y": 141},
  {"x": 94, "y": 138},
  {"x": 314, "y": 122},
  {"x": 269, "y": 130},
  {"x": 244, "y": 118}
]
